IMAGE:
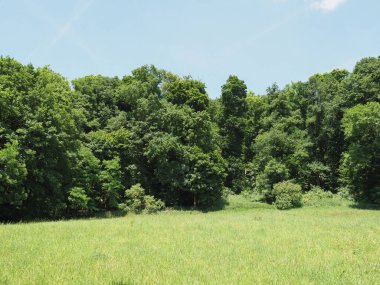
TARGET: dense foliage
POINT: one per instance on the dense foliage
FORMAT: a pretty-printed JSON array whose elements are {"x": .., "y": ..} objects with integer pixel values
[
  {"x": 287, "y": 195},
  {"x": 74, "y": 151}
]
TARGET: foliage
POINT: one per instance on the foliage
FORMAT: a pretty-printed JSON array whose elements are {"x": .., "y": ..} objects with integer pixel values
[
  {"x": 232, "y": 126},
  {"x": 111, "y": 186},
  {"x": 187, "y": 91},
  {"x": 39, "y": 132},
  {"x": 234, "y": 94},
  {"x": 68, "y": 149},
  {"x": 315, "y": 196},
  {"x": 136, "y": 201},
  {"x": 287, "y": 195},
  {"x": 78, "y": 200},
  {"x": 360, "y": 168},
  {"x": 274, "y": 172},
  {"x": 364, "y": 83},
  {"x": 135, "y": 198},
  {"x": 153, "y": 205},
  {"x": 12, "y": 176},
  {"x": 317, "y": 174}
]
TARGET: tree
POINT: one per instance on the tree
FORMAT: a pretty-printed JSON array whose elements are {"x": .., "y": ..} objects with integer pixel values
[
  {"x": 111, "y": 186},
  {"x": 363, "y": 85},
  {"x": 274, "y": 172},
  {"x": 12, "y": 178},
  {"x": 38, "y": 115},
  {"x": 256, "y": 107},
  {"x": 67, "y": 151},
  {"x": 86, "y": 181},
  {"x": 324, "y": 114},
  {"x": 166, "y": 155},
  {"x": 234, "y": 94},
  {"x": 97, "y": 97},
  {"x": 205, "y": 176},
  {"x": 360, "y": 169},
  {"x": 289, "y": 150},
  {"x": 232, "y": 126},
  {"x": 78, "y": 200},
  {"x": 187, "y": 91}
]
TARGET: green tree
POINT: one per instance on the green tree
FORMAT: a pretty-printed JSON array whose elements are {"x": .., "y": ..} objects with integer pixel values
[
  {"x": 274, "y": 172},
  {"x": 12, "y": 178},
  {"x": 85, "y": 172},
  {"x": 97, "y": 97},
  {"x": 78, "y": 200},
  {"x": 38, "y": 113},
  {"x": 363, "y": 85},
  {"x": 111, "y": 186},
  {"x": 187, "y": 91},
  {"x": 360, "y": 169},
  {"x": 232, "y": 126}
]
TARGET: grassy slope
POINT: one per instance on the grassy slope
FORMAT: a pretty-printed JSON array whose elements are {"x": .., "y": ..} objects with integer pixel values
[{"x": 333, "y": 245}]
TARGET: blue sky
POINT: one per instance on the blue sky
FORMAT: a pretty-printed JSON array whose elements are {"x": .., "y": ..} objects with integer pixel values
[{"x": 261, "y": 41}]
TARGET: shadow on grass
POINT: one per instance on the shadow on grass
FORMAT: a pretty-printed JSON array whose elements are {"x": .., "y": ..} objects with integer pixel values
[
  {"x": 218, "y": 206},
  {"x": 89, "y": 216},
  {"x": 232, "y": 203},
  {"x": 106, "y": 214},
  {"x": 363, "y": 205}
]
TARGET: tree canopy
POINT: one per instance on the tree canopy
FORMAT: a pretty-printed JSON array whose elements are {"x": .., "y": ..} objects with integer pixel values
[{"x": 76, "y": 149}]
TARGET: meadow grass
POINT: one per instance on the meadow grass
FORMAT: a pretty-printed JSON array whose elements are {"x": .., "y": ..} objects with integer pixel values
[{"x": 247, "y": 243}]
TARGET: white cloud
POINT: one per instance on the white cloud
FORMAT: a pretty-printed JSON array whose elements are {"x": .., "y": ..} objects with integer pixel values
[{"x": 326, "y": 5}]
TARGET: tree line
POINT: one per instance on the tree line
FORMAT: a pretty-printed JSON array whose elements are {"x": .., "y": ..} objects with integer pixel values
[{"x": 153, "y": 138}]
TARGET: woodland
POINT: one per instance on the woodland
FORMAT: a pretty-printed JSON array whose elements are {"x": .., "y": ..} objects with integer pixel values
[{"x": 153, "y": 140}]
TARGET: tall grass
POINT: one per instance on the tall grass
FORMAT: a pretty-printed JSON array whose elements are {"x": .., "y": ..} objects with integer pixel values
[{"x": 245, "y": 244}]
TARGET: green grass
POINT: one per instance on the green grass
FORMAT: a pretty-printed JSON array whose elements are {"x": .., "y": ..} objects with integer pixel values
[{"x": 248, "y": 243}]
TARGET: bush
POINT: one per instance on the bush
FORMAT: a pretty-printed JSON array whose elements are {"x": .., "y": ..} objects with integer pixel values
[
  {"x": 137, "y": 201},
  {"x": 287, "y": 195},
  {"x": 78, "y": 199},
  {"x": 345, "y": 193},
  {"x": 315, "y": 196},
  {"x": 273, "y": 173},
  {"x": 152, "y": 205},
  {"x": 135, "y": 198}
]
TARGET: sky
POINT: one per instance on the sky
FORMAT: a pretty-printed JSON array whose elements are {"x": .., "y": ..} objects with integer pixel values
[{"x": 260, "y": 41}]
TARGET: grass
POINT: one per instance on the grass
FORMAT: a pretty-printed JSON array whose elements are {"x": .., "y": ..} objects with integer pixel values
[{"x": 247, "y": 243}]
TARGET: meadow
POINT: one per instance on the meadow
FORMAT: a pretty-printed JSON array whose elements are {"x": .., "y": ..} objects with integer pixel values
[{"x": 246, "y": 243}]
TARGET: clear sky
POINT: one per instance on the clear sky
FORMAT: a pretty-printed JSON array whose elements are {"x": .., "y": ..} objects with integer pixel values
[{"x": 261, "y": 41}]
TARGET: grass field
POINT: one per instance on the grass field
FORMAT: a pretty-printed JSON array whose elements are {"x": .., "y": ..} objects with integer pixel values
[{"x": 245, "y": 244}]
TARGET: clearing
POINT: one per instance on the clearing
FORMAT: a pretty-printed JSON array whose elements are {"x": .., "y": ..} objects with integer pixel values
[{"x": 247, "y": 243}]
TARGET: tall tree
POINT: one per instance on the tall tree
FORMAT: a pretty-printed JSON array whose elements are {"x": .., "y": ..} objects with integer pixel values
[
  {"x": 232, "y": 125},
  {"x": 360, "y": 167},
  {"x": 187, "y": 91}
]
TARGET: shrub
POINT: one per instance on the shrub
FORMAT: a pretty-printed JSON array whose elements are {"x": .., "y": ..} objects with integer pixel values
[
  {"x": 137, "y": 201},
  {"x": 315, "y": 196},
  {"x": 78, "y": 200},
  {"x": 287, "y": 195},
  {"x": 344, "y": 192},
  {"x": 152, "y": 205},
  {"x": 135, "y": 198},
  {"x": 316, "y": 173},
  {"x": 273, "y": 173}
]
